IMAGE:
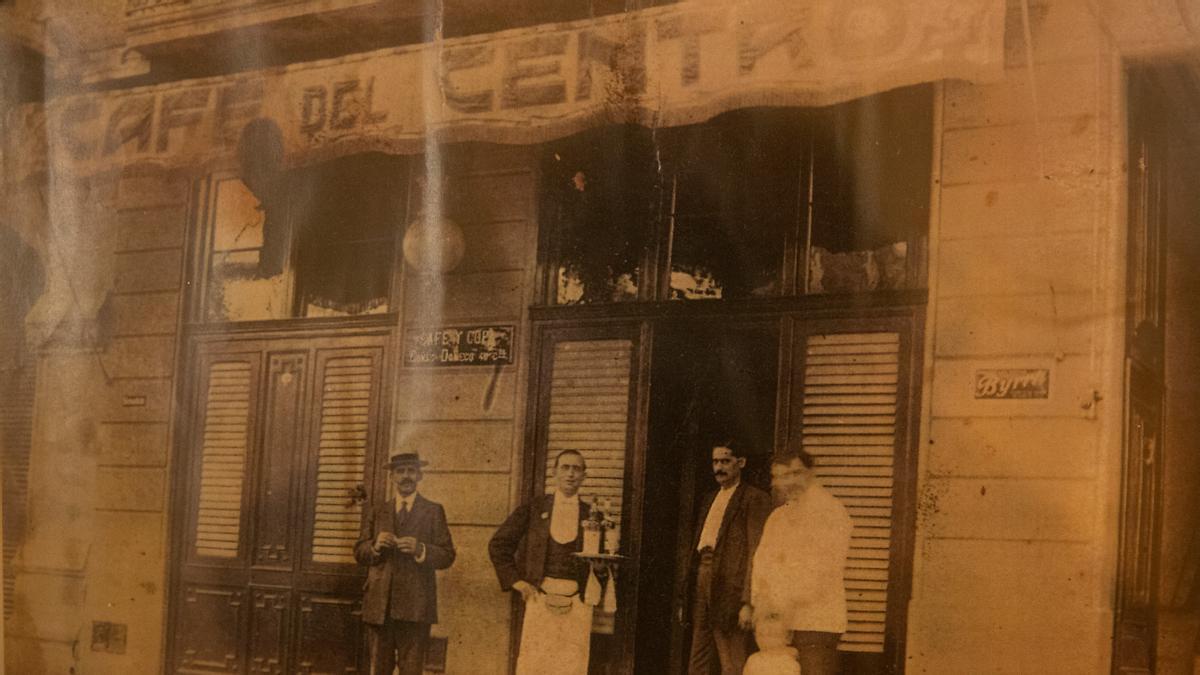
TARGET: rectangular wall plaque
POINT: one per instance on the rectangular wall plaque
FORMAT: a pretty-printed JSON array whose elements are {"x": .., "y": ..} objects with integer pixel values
[
  {"x": 1012, "y": 383},
  {"x": 459, "y": 346}
]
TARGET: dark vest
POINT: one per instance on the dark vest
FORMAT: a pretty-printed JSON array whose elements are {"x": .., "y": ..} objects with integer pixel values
[
  {"x": 561, "y": 562},
  {"x": 394, "y": 606}
]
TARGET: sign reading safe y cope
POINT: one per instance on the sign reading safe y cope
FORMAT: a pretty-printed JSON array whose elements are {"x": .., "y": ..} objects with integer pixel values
[{"x": 459, "y": 346}]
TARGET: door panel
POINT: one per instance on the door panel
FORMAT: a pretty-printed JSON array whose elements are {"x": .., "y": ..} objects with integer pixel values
[
  {"x": 209, "y": 628},
  {"x": 849, "y": 401},
  {"x": 286, "y": 433},
  {"x": 327, "y": 624},
  {"x": 345, "y": 428},
  {"x": 1135, "y": 625},
  {"x": 1137, "y": 572},
  {"x": 588, "y": 401},
  {"x": 275, "y": 494},
  {"x": 269, "y": 612}
]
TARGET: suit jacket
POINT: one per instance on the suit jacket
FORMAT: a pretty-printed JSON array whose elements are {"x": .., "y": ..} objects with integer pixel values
[
  {"x": 741, "y": 529},
  {"x": 399, "y": 587},
  {"x": 530, "y": 524}
]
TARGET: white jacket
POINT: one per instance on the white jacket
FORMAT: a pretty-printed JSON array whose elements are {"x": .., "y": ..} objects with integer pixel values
[{"x": 799, "y": 567}]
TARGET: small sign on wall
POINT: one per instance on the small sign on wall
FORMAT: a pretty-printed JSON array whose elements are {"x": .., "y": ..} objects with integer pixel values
[
  {"x": 459, "y": 346},
  {"x": 1012, "y": 383}
]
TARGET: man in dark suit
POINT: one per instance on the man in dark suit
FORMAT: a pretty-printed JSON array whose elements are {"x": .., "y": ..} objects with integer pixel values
[
  {"x": 731, "y": 525},
  {"x": 533, "y": 554},
  {"x": 403, "y": 541}
]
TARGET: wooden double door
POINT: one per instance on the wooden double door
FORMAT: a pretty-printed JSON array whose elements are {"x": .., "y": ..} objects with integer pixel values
[{"x": 284, "y": 434}]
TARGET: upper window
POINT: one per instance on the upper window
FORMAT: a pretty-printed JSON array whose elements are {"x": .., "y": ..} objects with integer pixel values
[
  {"x": 601, "y": 191},
  {"x": 732, "y": 204},
  {"x": 754, "y": 203},
  {"x": 326, "y": 249}
]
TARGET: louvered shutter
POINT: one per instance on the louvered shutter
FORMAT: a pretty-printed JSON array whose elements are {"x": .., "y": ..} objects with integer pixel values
[
  {"x": 589, "y": 412},
  {"x": 16, "y": 435},
  {"x": 224, "y": 447},
  {"x": 851, "y": 393},
  {"x": 347, "y": 403}
]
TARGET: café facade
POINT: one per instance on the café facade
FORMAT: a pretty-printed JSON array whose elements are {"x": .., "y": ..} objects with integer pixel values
[{"x": 942, "y": 245}]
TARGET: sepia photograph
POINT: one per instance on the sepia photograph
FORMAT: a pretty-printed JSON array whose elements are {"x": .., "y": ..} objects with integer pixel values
[{"x": 600, "y": 337}]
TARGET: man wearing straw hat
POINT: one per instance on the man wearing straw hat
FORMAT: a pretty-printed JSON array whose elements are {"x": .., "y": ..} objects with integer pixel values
[{"x": 404, "y": 540}]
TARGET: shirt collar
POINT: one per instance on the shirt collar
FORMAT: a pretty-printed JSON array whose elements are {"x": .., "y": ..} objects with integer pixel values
[
  {"x": 406, "y": 500},
  {"x": 729, "y": 490},
  {"x": 560, "y": 498}
]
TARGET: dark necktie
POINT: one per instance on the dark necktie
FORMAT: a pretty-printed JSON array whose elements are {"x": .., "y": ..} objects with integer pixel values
[{"x": 402, "y": 515}]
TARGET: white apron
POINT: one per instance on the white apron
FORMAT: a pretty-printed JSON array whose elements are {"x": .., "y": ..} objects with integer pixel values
[{"x": 557, "y": 632}]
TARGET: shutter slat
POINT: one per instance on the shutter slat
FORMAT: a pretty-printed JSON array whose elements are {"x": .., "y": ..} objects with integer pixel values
[
  {"x": 848, "y": 408},
  {"x": 853, "y": 338},
  {"x": 853, "y": 368},
  {"x": 869, "y": 392},
  {"x": 819, "y": 359}
]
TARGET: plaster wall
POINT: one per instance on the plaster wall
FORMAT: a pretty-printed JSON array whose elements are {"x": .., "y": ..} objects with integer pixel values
[
  {"x": 1016, "y": 528},
  {"x": 469, "y": 421},
  {"x": 96, "y": 546}
]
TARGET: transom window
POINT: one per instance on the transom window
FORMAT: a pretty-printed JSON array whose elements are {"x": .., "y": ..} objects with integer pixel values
[{"x": 762, "y": 202}]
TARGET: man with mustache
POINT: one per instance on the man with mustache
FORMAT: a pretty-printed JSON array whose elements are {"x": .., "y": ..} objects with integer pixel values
[
  {"x": 722, "y": 615},
  {"x": 403, "y": 541},
  {"x": 533, "y": 553}
]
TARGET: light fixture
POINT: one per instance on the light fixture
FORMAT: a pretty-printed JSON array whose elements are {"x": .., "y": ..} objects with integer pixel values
[{"x": 433, "y": 244}]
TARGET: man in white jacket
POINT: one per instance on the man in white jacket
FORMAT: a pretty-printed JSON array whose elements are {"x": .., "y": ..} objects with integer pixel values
[{"x": 797, "y": 582}]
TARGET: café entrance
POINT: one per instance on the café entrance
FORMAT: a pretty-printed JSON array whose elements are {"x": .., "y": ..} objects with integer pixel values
[
  {"x": 707, "y": 387},
  {"x": 644, "y": 401},
  {"x": 758, "y": 276}
]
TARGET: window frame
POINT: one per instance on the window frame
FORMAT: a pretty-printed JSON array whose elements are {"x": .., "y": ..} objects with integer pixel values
[
  {"x": 200, "y": 254},
  {"x": 798, "y": 240}
]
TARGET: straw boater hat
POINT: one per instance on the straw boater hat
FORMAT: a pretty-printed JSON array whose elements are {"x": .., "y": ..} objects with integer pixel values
[{"x": 406, "y": 459}]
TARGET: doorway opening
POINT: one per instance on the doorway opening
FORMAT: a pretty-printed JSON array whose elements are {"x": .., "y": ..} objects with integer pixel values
[{"x": 707, "y": 386}]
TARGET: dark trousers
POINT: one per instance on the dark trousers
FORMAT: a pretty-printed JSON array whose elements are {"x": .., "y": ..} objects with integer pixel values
[
  {"x": 818, "y": 652},
  {"x": 713, "y": 646},
  {"x": 397, "y": 643}
]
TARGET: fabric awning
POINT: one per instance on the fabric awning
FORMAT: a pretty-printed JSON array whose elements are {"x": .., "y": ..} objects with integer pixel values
[{"x": 658, "y": 67}]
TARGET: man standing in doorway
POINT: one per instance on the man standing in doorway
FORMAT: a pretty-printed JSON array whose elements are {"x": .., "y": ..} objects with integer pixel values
[
  {"x": 403, "y": 541},
  {"x": 533, "y": 552},
  {"x": 733, "y": 521},
  {"x": 798, "y": 584}
]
